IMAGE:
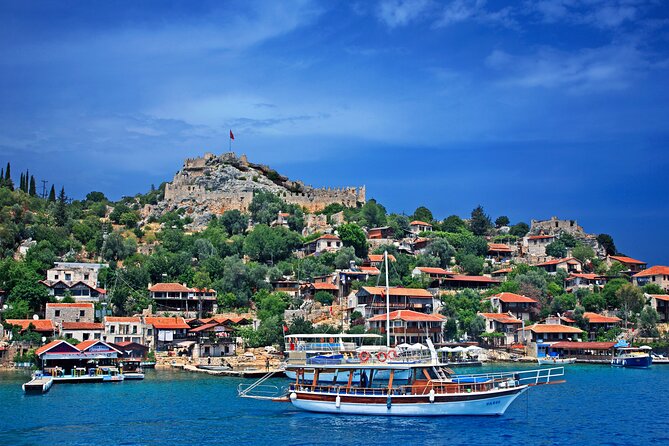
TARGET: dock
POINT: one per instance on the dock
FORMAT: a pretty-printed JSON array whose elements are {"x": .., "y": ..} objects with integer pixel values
[{"x": 38, "y": 385}]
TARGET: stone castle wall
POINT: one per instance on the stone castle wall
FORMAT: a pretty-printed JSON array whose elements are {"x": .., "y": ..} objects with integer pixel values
[
  {"x": 555, "y": 226},
  {"x": 192, "y": 186}
]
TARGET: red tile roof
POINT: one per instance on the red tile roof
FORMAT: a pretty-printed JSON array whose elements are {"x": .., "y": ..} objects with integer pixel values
[
  {"x": 431, "y": 270},
  {"x": 627, "y": 260},
  {"x": 85, "y": 345},
  {"x": 372, "y": 270},
  {"x": 503, "y": 318},
  {"x": 660, "y": 296},
  {"x": 72, "y": 305},
  {"x": 653, "y": 271},
  {"x": 170, "y": 286},
  {"x": 537, "y": 237},
  {"x": 167, "y": 323},
  {"x": 419, "y": 223},
  {"x": 379, "y": 258},
  {"x": 409, "y": 316},
  {"x": 129, "y": 319},
  {"x": 500, "y": 247},
  {"x": 463, "y": 278},
  {"x": 43, "y": 325},
  {"x": 583, "y": 276},
  {"x": 514, "y": 298},
  {"x": 327, "y": 237},
  {"x": 584, "y": 345},
  {"x": 595, "y": 318},
  {"x": 558, "y": 261},
  {"x": 502, "y": 271},
  {"x": 398, "y": 291},
  {"x": 51, "y": 345},
  {"x": 325, "y": 286},
  {"x": 553, "y": 328},
  {"x": 82, "y": 326}
]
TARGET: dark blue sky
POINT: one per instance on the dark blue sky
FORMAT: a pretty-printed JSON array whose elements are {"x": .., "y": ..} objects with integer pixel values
[{"x": 529, "y": 108}]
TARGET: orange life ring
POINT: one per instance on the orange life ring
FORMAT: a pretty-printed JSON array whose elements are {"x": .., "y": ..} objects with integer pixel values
[
  {"x": 331, "y": 340},
  {"x": 364, "y": 356},
  {"x": 392, "y": 355},
  {"x": 382, "y": 356}
]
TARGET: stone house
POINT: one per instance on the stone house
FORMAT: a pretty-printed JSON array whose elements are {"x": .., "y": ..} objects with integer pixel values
[
  {"x": 180, "y": 299},
  {"x": 535, "y": 245},
  {"x": 407, "y": 326},
  {"x": 660, "y": 303},
  {"x": 72, "y": 312},
  {"x": 72, "y": 272},
  {"x": 658, "y": 275}
]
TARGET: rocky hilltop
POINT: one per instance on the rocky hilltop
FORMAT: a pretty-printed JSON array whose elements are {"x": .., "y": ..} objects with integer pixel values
[{"x": 211, "y": 185}]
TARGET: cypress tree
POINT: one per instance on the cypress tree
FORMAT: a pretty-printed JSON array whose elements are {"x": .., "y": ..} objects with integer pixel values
[
  {"x": 32, "y": 191},
  {"x": 21, "y": 181},
  {"x": 26, "y": 181},
  {"x": 2, "y": 177},
  {"x": 8, "y": 177},
  {"x": 60, "y": 213},
  {"x": 52, "y": 194}
]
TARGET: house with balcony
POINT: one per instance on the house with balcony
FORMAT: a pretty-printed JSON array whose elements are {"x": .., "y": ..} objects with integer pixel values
[
  {"x": 182, "y": 300},
  {"x": 577, "y": 281},
  {"x": 371, "y": 301},
  {"x": 164, "y": 333},
  {"x": 658, "y": 275},
  {"x": 123, "y": 329},
  {"x": 81, "y": 331},
  {"x": 290, "y": 287},
  {"x": 410, "y": 327},
  {"x": 461, "y": 281},
  {"x": 381, "y": 233},
  {"x": 436, "y": 275},
  {"x": 79, "y": 280},
  {"x": 499, "y": 252},
  {"x": 213, "y": 339},
  {"x": 521, "y": 307},
  {"x": 504, "y": 323}
]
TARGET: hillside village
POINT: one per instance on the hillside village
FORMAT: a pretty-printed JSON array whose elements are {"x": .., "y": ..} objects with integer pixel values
[{"x": 231, "y": 255}]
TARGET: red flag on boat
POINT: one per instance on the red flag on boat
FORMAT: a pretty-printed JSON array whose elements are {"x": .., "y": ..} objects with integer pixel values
[
  {"x": 232, "y": 137},
  {"x": 285, "y": 328}
]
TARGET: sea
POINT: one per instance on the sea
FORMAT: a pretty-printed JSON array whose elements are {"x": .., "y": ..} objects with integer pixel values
[{"x": 598, "y": 405}]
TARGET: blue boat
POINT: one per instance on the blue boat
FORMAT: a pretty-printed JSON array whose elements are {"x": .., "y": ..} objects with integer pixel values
[{"x": 631, "y": 357}]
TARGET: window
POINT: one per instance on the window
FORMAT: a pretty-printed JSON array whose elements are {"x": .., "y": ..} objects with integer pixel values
[
  {"x": 55, "y": 276},
  {"x": 96, "y": 336},
  {"x": 56, "y": 313},
  {"x": 112, "y": 328},
  {"x": 86, "y": 336},
  {"x": 86, "y": 276},
  {"x": 82, "y": 313},
  {"x": 68, "y": 276},
  {"x": 134, "y": 329},
  {"x": 149, "y": 332}
]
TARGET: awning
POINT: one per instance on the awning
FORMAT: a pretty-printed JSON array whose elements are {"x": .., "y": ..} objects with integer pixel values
[{"x": 187, "y": 344}]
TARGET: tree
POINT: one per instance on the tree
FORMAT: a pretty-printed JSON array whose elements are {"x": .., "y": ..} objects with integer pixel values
[
  {"x": 502, "y": 220},
  {"x": 480, "y": 223},
  {"x": 265, "y": 207},
  {"x": 631, "y": 301},
  {"x": 32, "y": 190},
  {"x": 652, "y": 288},
  {"x": 203, "y": 249},
  {"x": 610, "y": 292},
  {"x": 52, "y": 194},
  {"x": 96, "y": 197},
  {"x": 201, "y": 280},
  {"x": 470, "y": 263},
  {"x": 562, "y": 303},
  {"x": 593, "y": 302},
  {"x": 442, "y": 250},
  {"x": 234, "y": 222},
  {"x": 323, "y": 297},
  {"x": 519, "y": 229},
  {"x": 372, "y": 214},
  {"x": 351, "y": 235},
  {"x": 129, "y": 219},
  {"x": 583, "y": 252},
  {"x": 423, "y": 214},
  {"x": 8, "y": 178},
  {"x": 556, "y": 249},
  {"x": 344, "y": 257},
  {"x": 60, "y": 213},
  {"x": 568, "y": 240},
  {"x": 116, "y": 248},
  {"x": 648, "y": 320},
  {"x": 607, "y": 242},
  {"x": 453, "y": 223},
  {"x": 270, "y": 244}
]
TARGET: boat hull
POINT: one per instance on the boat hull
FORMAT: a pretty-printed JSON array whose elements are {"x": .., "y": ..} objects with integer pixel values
[
  {"x": 473, "y": 404},
  {"x": 556, "y": 361},
  {"x": 133, "y": 376},
  {"x": 342, "y": 378},
  {"x": 637, "y": 362}
]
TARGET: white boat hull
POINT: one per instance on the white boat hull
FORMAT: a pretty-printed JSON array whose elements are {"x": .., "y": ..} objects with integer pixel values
[
  {"x": 487, "y": 406},
  {"x": 556, "y": 361},
  {"x": 342, "y": 378}
]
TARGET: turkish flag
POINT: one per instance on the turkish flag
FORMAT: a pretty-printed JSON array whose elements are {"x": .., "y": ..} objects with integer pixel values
[{"x": 232, "y": 137}]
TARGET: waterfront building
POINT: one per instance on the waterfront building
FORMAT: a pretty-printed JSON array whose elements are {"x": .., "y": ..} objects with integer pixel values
[
  {"x": 505, "y": 323},
  {"x": 371, "y": 301},
  {"x": 180, "y": 299},
  {"x": 68, "y": 357},
  {"x": 407, "y": 326},
  {"x": 45, "y": 327},
  {"x": 60, "y": 312},
  {"x": 214, "y": 338},
  {"x": 163, "y": 333},
  {"x": 597, "y": 352},
  {"x": 81, "y": 331},
  {"x": 119, "y": 329}
]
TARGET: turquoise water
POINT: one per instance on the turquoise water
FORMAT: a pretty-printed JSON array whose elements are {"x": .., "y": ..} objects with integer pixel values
[{"x": 597, "y": 405}]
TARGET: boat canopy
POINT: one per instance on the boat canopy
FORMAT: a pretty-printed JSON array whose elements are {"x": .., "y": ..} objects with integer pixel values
[{"x": 336, "y": 336}]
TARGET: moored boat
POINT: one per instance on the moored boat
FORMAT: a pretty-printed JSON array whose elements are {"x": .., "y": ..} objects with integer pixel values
[
  {"x": 632, "y": 357},
  {"x": 39, "y": 384},
  {"x": 555, "y": 360}
]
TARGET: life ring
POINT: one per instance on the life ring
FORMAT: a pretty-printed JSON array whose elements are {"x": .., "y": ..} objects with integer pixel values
[
  {"x": 382, "y": 356},
  {"x": 364, "y": 356},
  {"x": 392, "y": 355},
  {"x": 331, "y": 340}
]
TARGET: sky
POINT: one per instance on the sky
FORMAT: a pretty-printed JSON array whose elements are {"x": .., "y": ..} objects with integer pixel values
[{"x": 531, "y": 109}]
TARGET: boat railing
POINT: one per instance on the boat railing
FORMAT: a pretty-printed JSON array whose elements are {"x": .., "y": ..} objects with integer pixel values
[
  {"x": 259, "y": 390},
  {"x": 533, "y": 377}
]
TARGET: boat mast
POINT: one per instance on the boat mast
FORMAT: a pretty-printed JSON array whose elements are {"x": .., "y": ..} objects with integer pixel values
[{"x": 385, "y": 255}]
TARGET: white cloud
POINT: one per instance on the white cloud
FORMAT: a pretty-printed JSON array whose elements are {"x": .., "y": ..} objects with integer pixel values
[
  {"x": 612, "y": 67},
  {"x": 401, "y": 12},
  {"x": 603, "y": 14},
  {"x": 459, "y": 11}
]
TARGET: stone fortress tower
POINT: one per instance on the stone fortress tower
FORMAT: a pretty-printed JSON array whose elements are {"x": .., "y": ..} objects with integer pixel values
[{"x": 215, "y": 184}]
